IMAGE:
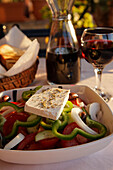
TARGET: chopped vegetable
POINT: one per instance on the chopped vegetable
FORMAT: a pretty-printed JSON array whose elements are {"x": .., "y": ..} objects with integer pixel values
[
  {"x": 34, "y": 128},
  {"x": 78, "y": 102},
  {"x": 23, "y": 124},
  {"x": 11, "y": 119},
  {"x": 26, "y": 141},
  {"x": 64, "y": 122},
  {"x": 73, "y": 96},
  {"x": 49, "y": 143},
  {"x": 17, "y": 108},
  {"x": 7, "y": 111},
  {"x": 76, "y": 140},
  {"x": 27, "y": 94},
  {"x": 2, "y": 121},
  {"x": 47, "y": 126},
  {"x": 26, "y": 131},
  {"x": 75, "y": 115},
  {"x": 14, "y": 141},
  {"x": 68, "y": 106},
  {"x": 44, "y": 135},
  {"x": 4, "y": 98},
  {"x": 95, "y": 111},
  {"x": 90, "y": 123}
]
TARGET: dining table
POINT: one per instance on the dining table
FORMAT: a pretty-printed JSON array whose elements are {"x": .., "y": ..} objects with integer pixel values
[{"x": 101, "y": 160}]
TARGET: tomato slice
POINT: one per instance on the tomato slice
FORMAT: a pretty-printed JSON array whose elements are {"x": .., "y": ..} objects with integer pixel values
[
  {"x": 9, "y": 114},
  {"x": 67, "y": 130},
  {"x": 33, "y": 146},
  {"x": 77, "y": 101},
  {"x": 26, "y": 141},
  {"x": 19, "y": 104},
  {"x": 75, "y": 141},
  {"x": 49, "y": 143},
  {"x": 29, "y": 143},
  {"x": 10, "y": 120},
  {"x": 16, "y": 103},
  {"x": 73, "y": 101},
  {"x": 81, "y": 139},
  {"x": 22, "y": 130},
  {"x": 22, "y": 116}
]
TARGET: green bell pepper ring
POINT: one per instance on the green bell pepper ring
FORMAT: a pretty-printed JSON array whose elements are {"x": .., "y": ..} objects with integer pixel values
[
  {"x": 68, "y": 106},
  {"x": 27, "y": 94},
  {"x": 23, "y": 124},
  {"x": 50, "y": 121},
  {"x": 48, "y": 126},
  {"x": 64, "y": 122},
  {"x": 90, "y": 122},
  {"x": 37, "y": 88},
  {"x": 17, "y": 108}
]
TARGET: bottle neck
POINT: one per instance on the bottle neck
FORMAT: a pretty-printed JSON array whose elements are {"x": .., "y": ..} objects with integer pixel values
[
  {"x": 61, "y": 17},
  {"x": 60, "y": 8}
]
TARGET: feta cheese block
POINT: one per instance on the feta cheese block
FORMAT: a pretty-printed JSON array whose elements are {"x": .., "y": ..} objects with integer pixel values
[{"x": 48, "y": 103}]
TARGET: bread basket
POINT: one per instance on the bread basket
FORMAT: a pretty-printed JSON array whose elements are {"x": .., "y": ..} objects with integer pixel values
[{"x": 19, "y": 80}]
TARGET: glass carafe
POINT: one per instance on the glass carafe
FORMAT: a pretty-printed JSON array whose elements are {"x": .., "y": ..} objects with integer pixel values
[{"x": 62, "y": 55}]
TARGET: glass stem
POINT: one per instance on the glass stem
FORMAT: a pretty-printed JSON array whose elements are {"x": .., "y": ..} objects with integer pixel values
[{"x": 98, "y": 75}]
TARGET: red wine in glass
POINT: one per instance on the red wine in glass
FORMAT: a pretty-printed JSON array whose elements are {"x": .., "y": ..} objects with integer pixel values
[
  {"x": 97, "y": 49},
  {"x": 98, "y": 52}
]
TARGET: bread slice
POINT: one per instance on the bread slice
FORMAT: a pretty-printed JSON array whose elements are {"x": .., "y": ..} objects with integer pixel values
[
  {"x": 48, "y": 103},
  {"x": 9, "y": 55}
]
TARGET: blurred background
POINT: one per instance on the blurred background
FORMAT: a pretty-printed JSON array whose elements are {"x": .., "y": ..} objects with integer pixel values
[
  {"x": 35, "y": 14},
  {"x": 85, "y": 13}
]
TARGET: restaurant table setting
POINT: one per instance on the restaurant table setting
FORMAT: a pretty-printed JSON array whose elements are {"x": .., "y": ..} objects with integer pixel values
[
  {"x": 96, "y": 161},
  {"x": 78, "y": 76}
]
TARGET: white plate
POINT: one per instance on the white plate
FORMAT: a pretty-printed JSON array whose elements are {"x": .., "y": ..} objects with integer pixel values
[{"x": 63, "y": 154}]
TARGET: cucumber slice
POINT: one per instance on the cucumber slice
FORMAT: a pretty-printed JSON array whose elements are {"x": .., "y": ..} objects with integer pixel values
[
  {"x": 44, "y": 135},
  {"x": 34, "y": 128},
  {"x": 2, "y": 120},
  {"x": 31, "y": 118}
]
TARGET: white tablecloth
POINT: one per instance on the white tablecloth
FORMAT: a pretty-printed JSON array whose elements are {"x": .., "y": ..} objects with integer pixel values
[{"x": 102, "y": 160}]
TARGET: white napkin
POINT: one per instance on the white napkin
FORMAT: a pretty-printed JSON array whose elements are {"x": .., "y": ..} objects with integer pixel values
[{"x": 16, "y": 38}]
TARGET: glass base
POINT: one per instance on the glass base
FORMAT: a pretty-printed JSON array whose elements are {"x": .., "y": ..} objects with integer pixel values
[
  {"x": 105, "y": 95},
  {"x": 50, "y": 83}
]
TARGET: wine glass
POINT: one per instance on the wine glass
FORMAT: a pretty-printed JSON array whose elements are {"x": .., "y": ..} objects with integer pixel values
[{"x": 97, "y": 49}]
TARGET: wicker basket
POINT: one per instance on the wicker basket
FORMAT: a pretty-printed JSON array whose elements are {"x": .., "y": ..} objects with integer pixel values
[{"x": 19, "y": 80}]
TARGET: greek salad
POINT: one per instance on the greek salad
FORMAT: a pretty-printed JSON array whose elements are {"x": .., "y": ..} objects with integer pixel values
[{"x": 78, "y": 123}]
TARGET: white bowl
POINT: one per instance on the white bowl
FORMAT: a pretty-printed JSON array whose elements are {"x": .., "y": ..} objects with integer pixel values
[{"x": 63, "y": 154}]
